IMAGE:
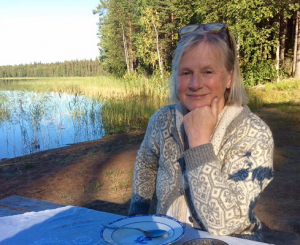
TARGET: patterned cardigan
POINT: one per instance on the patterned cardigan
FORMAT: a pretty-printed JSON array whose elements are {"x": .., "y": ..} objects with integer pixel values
[{"x": 222, "y": 180}]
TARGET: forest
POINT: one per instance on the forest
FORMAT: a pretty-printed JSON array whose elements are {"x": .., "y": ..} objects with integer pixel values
[
  {"x": 138, "y": 38},
  {"x": 80, "y": 68}
]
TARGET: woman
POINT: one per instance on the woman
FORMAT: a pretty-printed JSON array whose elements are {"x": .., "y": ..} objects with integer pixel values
[{"x": 208, "y": 157}]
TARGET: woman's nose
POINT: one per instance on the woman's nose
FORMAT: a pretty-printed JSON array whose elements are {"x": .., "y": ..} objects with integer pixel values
[{"x": 195, "y": 83}]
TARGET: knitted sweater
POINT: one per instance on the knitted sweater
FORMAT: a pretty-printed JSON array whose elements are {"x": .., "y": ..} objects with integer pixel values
[{"x": 222, "y": 180}]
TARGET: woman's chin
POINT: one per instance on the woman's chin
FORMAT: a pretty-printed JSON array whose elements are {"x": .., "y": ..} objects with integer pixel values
[{"x": 198, "y": 105}]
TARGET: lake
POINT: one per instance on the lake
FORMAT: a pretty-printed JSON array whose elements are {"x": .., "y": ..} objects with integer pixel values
[{"x": 32, "y": 122}]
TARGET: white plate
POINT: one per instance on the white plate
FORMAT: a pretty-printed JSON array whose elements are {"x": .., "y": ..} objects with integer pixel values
[{"x": 146, "y": 222}]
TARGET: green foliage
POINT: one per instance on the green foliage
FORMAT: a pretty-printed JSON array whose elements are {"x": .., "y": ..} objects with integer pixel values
[
  {"x": 128, "y": 29},
  {"x": 145, "y": 39},
  {"x": 115, "y": 27},
  {"x": 258, "y": 73}
]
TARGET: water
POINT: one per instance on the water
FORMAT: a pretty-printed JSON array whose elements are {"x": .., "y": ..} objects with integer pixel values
[{"x": 32, "y": 122}]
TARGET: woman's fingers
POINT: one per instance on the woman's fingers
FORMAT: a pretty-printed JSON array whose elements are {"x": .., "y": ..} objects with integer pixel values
[
  {"x": 200, "y": 123},
  {"x": 215, "y": 107}
]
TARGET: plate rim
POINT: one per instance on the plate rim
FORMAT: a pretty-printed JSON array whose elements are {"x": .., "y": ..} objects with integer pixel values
[{"x": 147, "y": 215}]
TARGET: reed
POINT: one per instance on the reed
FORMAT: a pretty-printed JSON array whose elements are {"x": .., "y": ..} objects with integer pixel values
[
  {"x": 127, "y": 103},
  {"x": 96, "y": 87},
  {"x": 133, "y": 109},
  {"x": 4, "y": 109}
]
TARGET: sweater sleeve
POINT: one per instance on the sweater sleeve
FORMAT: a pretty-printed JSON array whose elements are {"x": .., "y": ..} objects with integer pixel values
[
  {"x": 145, "y": 171},
  {"x": 224, "y": 189}
]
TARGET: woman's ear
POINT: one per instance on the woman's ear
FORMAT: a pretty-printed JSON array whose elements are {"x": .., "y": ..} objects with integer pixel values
[{"x": 229, "y": 81}]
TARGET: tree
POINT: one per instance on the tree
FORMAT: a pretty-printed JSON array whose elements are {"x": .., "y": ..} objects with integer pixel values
[
  {"x": 115, "y": 32},
  {"x": 141, "y": 35},
  {"x": 297, "y": 48},
  {"x": 147, "y": 40},
  {"x": 286, "y": 20},
  {"x": 251, "y": 22}
]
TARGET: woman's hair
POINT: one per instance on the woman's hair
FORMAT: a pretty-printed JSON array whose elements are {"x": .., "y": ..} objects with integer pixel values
[{"x": 236, "y": 93}]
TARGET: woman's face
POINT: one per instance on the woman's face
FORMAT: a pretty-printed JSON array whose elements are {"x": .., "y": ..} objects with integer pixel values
[{"x": 202, "y": 77}]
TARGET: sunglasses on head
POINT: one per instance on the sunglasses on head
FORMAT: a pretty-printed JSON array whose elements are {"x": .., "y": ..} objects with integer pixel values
[{"x": 218, "y": 28}]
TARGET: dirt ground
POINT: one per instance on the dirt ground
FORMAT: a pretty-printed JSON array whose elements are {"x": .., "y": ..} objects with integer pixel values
[{"x": 98, "y": 175}]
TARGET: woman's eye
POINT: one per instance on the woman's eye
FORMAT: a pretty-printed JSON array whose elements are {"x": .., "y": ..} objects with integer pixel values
[
  {"x": 185, "y": 73},
  {"x": 208, "y": 72}
]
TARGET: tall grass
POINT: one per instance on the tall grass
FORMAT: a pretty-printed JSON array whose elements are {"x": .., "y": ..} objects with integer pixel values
[
  {"x": 89, "y": 86},
  {"x": 132, "y": 110},
  {"x": 284, "y": 96},
  {"x": 4, "y": 110},
  {"x": 127, "y": 103},
  {"x": 103, "y": 86},
  {"x": 286, "y": 91}
]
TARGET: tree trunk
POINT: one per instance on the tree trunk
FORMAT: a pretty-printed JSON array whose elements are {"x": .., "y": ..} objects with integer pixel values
[
  {"x": 283, "y": 28},
  {"x": 158, "y": 53},
  {"x": 237, "y": 39},
  {"x": 131, "y": 59},
  {"x": 125, "y": 49},
  {"x": 172, "y": 33},
  {"x": 278, "y": 52},
  {"x": 296, "y": 63},
  {"x": 277, "y": 63}
]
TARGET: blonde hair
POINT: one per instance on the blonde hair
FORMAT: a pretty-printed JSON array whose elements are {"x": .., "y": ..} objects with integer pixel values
[{"x": 236, "y": 93}]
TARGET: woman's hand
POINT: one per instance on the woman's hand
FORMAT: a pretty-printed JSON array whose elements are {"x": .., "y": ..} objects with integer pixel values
[{"x": 200, "y": 123}]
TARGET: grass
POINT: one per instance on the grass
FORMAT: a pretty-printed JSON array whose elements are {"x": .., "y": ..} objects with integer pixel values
[
  {"x": 108, "y": 172},
  {"x": 103, "y": 87},
  {"x": 28, "y": 165},
  {"x": 95, "y": 186},
  {"x": 284, "y": 96},
  {"x": 287, "y": 91},
  {"x": 127, "y": 103},
  {"x": 120, "y": 179},
  {"x": 66, "y": 197},
  {"x": 91, "y": 153}
]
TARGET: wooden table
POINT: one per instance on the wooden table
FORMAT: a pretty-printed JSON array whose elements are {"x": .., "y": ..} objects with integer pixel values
[{"x": 12, "y": 230}]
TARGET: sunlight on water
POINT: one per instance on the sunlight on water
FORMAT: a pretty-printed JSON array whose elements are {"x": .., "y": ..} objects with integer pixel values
[{"x": 32, "y": 122}]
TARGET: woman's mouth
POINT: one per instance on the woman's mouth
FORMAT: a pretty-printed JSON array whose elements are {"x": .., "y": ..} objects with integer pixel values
[{"x": 196, "y": 96}]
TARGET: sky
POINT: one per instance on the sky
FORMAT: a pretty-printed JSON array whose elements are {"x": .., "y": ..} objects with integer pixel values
[{"x": 47, "y": 31}]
